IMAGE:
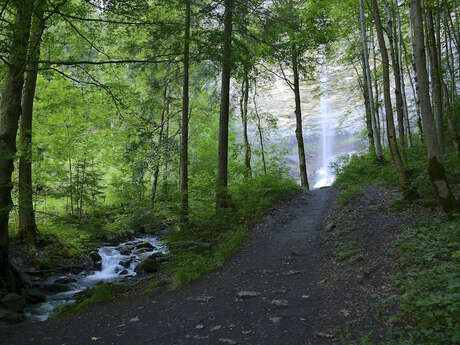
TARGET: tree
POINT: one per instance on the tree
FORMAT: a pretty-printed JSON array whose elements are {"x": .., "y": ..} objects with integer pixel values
[
  {"x": 222, "y": 159},
  {"x": 391, "y": 132},
  {"x": 435, "y": 167},
  {"x": 27, "y": 224},
  {"x": 10, "y": 112}
]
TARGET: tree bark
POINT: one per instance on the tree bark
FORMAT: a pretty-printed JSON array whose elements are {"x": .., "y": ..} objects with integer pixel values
[
  {"x": 185, "y": 120},
  {"x": 299, "y": 128},
  {"x": 435, "y": 167},
  {"x": 222, "y": 159},
  {"x": 397, "y": 76},
  {"x": 391, "y": 131},
  {"x": 27, "y": 224},
  {"x": 244, "y": 120},
  {"x": 10, "y": 111},
  {"x": 435, "y": 79},
  {"x": 259, "y": 129},
  {"x": 368, "y": 81}
]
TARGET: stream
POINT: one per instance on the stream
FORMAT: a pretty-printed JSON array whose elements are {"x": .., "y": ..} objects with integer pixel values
[{"x": 118, "y": 265}]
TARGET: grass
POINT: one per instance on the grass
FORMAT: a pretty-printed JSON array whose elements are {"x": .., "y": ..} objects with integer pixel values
[
  {"x": 102, "y": 293},
  {"x": 428, "y": 260}
]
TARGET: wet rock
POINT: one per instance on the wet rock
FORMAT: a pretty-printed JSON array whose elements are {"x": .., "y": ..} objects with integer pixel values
[
  {"x": 13, "y": 302},
  {"x": 96, "y": 259},
  {"x": 149, "y": 265},
  {"x": 54, "y": 288},
  {"x": 11, "y": 316},
  {"x": 145, "y": 245},
  {"x": 64, "y": 280},
  {"x": 126, "y": 249},
  {"x": 124, "y": 272},
  {"x": 34, "y": 296},
  {"x": 126, "y": 263}
]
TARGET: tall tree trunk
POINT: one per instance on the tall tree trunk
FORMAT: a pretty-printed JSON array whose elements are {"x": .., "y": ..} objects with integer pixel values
[
  {"x": 244, "y": 120},
  {"x": 368, "y": 85},
  {"x": 364, "y": 90},
  {"x": 401, "y": 73},
  {"x": 9, "y": 119},
  {"x": 222, "y": 159},
  {"x": 156, "y": 172},
  {"x": 419, "y": 116},
  {"x": 185, "y": 120},
  {"x": 397, "y": 76},
  {"x": 259, "y": 129},
  {"x": 380, "y": 129},
  {"x": 435, "y": 167},
  {"x": 166, "y": 157},
  {"x": 435, "y": 79},
  {"x": 298, "y": 117},
  {"x": 27, "y": 225},
  {"x": 391, "y": 132}
]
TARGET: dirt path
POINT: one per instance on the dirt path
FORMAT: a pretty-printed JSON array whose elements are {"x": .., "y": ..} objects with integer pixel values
[{"x": 267, "y": 294}]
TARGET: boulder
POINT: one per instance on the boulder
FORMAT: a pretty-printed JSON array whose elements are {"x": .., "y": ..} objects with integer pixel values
[
  {"x": 34, "y": 296},
  {"x": 11, "y": 316},
  {"x": 124, "y": 272},
  {"x": 126, "y": 263},
  {"x": 13, "y": 302},
  {"x": 126, "y": 249},
  {"x": 145, "y": 245},
  {"x": 149, "y": 265},
  {"x": 95, "y": 257},
  {"x": 54, "y": 288},
  {"x": 64, "y": 280}
]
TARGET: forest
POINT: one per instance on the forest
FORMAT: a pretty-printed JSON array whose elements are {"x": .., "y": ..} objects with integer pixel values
[{"x": 145, "y": 128}]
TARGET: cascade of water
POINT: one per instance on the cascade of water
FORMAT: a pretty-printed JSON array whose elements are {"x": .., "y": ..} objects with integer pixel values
[{"x": 325, "y": 176}]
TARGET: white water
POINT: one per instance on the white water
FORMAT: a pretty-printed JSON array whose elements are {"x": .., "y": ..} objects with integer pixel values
[
  {"x": 325, "y": 176},
  {"x": 111, "y": 271}
]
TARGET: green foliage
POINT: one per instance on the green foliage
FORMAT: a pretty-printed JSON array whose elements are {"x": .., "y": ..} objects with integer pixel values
[
  {"x": 430, "y": 282},
  {"x": 155, "y": 285}
]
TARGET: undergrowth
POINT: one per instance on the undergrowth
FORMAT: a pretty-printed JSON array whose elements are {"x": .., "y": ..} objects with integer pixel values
[{"x": 428, "y": 265}]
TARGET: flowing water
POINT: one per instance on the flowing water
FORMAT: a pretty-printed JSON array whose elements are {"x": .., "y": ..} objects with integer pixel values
[{"x": 118, "y": 265}]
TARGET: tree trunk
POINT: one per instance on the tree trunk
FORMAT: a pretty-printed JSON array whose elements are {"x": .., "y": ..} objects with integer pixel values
[
  {"x": 185, "y": 120},
  {"x": 222, "y": 159},
  {"x": 10, "y": 112},
  {"x": 397, "y": 76},
  {"x": 27, "y": 225},
  {"x": 391, "y": 132},
  {"x": 259, "y": 129},
  {"x": 244, "y": 120},
  {"x": 156, "y": 172},
  {"x": 298, "y": 116},
  {"x": 368, "y": 81},
  {"x": 435, "y": 80},
  {"x": 401, "y": 73},
  {"x": 380, "y": 129},
  {"x": 435, "y": 167},
  {"x": 166, "y": 157}
]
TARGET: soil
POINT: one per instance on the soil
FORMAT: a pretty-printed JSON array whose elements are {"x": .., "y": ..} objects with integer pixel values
[{"x": 292, "y": 283}]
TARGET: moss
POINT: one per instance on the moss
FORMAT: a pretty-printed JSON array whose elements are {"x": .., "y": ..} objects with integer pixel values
[
  {"x": 155, "y": 285},
  {"x": 102, "y": 293}
]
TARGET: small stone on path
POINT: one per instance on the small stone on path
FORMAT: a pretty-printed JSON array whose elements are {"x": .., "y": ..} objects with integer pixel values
[
  {"x": 215, "y": 328},
  {"x": 135, "y": 319},
  {"x": 227, "y": 341},
  {"x": 248, "y": 294},
  {"x": 279, "y": 303}
]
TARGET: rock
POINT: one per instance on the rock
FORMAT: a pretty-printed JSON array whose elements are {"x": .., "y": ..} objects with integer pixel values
[
  {"x": 126, "y": 263},
  {"x": 227, "y": 341},
  {"x": 13, "y": 302},
  {"x": 329, "y": 227},
  {"x": 279, "y": 303},
  {"x": 54, "y": 288},
  {"x": 144, "y": 245},
  {"x": 135, "y": 319},
  {"x": 64, "y": 280},
  {"x": 34, "y": 296},
  {"x": 126, "y": 249},
  {"x": 216, "y": 328},
  {"x": 11, "y": 316},
  {"x": 149, "y": 265},
  {"x": 95, "y": 256},
  {"x": 199, "y": 326},
  {"x": 124, "y": 272},
  {"x": 275, "y": 319},
  {"x": 248, "y": 294}
]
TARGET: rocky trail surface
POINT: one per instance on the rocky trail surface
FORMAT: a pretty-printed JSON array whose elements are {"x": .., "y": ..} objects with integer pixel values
[{"x": 268, "y": 293}]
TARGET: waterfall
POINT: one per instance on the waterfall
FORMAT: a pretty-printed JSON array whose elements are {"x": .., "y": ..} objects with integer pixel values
[{"x": 325, "y": 175}]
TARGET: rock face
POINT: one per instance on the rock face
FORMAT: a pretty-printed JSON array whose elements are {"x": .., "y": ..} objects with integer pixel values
[
  {"x": 34, "y": 296},
  {"x": 145, "y": 245},
  {"x": 13, "y": 302},
  {"x": 149, "y": 265}
]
